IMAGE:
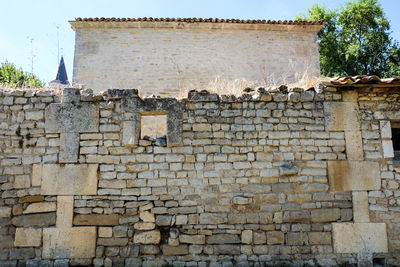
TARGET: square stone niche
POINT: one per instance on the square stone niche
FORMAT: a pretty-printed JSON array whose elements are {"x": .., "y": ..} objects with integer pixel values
[{"x": 167, "y": 114}]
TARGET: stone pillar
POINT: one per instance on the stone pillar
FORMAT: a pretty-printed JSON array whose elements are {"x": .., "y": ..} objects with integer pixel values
[{"x": 357, "y": 176}]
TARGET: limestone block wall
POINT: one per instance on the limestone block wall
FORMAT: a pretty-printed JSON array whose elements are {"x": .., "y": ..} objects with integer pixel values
[
  {"x": 284, "y": 176},
  {"x": 167, "y": 58}
]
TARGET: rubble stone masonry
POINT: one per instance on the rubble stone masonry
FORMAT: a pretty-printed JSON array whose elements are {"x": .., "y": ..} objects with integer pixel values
[{"x": 279, "y": 176}]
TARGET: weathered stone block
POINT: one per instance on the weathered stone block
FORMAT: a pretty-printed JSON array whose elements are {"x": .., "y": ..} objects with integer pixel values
[
  {"x": 105, "y": 231},
  {"x": 387, "y": 147},
  {"x": 148, "y": 237},
  {"x": 260, "y": 250},
  {"x": 39, "y": 207},
  {"x": 325, "y": 215},
  {"x": 69, "y": 147},
  {"x": 354, "y": 146},
  {"x": 247, "y": 236},
  {"x": 144, "y": 226},
  {"x": 212, "y": 218},
  {"x": 386, "y": 129},
  {"x": 360, "y": 206},
  {"x": 341, "y": 116},
  {"x": 65, "y": 211},
  {"x": 77, "y": 242},
  {"x": 22, "y": 253},
  {"x": 296, "y": 238},
  {"x": 28, "y": 237},
  {"x": 130, "y": 133},
  {"x": 29, "y": 199},
  {"x": 227, "y": 249},
  {"x": 223, "y": 239},
  {"x": 68, "y": 118},
  {"x": 36, "y": 175},
  {"x": 347, "y": 176},
  {"x": 259, "y": 238},
  {"x": 164, "y": 220},
  {"x": 319, "y": 238},
  {"x": 275, "y": 238},
  {"x": 71, "y": 179},
  {"x": 96, "y": 219},
  {"x": 39, "y": 220},
  {"x": 5, "y": 212},
  {"x": 6, "y": 241},
  {"x": 359, "y": 237},
  {"x": 192, "y": 239},
  {"x": 297, "y": 216},
  {"x": 175, "y": 250},
  {"x": 147, "y": 216},
  {"x": 112, "y": 242}
]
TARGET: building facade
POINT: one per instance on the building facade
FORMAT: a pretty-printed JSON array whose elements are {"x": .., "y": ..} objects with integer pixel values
[{"x": 168, "y": 56}]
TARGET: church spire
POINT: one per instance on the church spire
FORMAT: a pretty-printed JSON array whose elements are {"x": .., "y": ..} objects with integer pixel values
[{"x": 61, "y": 77}]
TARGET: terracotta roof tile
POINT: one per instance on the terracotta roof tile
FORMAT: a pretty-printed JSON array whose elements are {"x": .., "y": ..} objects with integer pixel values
[
  {"x": 362, "y": 81},
  {"x": 210, "y": 20}
]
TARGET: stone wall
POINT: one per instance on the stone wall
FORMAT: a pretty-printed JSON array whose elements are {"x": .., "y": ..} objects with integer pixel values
[
  {"x": 283, "y": 176},
  {"x": 164, "y": 58}
]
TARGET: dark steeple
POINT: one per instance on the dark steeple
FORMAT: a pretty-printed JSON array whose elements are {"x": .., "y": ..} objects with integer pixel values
[{"x": 61, "y": 77}]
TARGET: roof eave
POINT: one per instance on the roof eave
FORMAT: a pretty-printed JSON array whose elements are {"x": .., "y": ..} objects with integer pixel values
[{"x": 194, "y": 25}]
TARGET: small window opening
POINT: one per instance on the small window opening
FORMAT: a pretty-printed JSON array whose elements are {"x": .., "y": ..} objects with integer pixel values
[
  {"x": 153, "y": 127},
  {"x": 396, "y": 140},
  {"x": 379, "y": 262}
]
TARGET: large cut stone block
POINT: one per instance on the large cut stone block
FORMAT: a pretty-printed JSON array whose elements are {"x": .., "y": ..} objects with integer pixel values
[
  {"x": 70, "y": 179},
  {"x": 359, "y": 237},
  {"x": 354, "y": 145},
  {"x": 68, "y": 118},
  {"x": 130, "y": 133},
  {"x": 65, "y": 211},
  {"x": 341, "y": 116},
  {"x": 360, "y": 206},
  {"x": 349, "y": 175},
  {"x": 77, "y": 242},
  {"x": 69, "y": 147},
  {"x": 148, "y": 237},
  {"x": 28, "y": 237}
]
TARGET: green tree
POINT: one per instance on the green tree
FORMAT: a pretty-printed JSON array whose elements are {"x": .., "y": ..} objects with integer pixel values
[
  {"x": 10, "y": 76},
  {"x": 355, "y": 40}
]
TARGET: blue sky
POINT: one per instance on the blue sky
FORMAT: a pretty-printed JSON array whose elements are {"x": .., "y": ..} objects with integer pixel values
[{"x": 24, "y": 20}]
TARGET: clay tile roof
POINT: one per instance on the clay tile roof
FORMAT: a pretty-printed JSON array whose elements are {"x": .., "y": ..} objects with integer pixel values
[
  {"x": 212, "y": 20},
  {"x": 362, "y": 81}
]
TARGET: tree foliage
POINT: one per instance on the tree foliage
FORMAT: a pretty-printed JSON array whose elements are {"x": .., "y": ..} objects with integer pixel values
[
  {"x": 355, "y": 40},
  {"x": 10, "y": 76}
]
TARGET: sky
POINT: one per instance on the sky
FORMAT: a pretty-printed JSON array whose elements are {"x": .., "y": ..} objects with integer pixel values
[{"x": 29, "y": 29}]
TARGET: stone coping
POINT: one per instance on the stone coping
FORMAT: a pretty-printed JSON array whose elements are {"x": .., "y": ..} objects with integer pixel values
[{"x": 276, "y": 94}]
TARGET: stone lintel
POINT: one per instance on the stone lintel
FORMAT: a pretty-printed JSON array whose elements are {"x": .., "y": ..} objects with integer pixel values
[
  {"x": 346, "y": 176},
  {"x": 361, "y": 238},
  {"x": 70, "y": 179},
  {"x": 76, "y": 242},
  {"x": 341, "y": 116}
]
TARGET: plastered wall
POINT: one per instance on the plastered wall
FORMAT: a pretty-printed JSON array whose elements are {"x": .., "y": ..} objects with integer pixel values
[{"x": 166, "y": 61}]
